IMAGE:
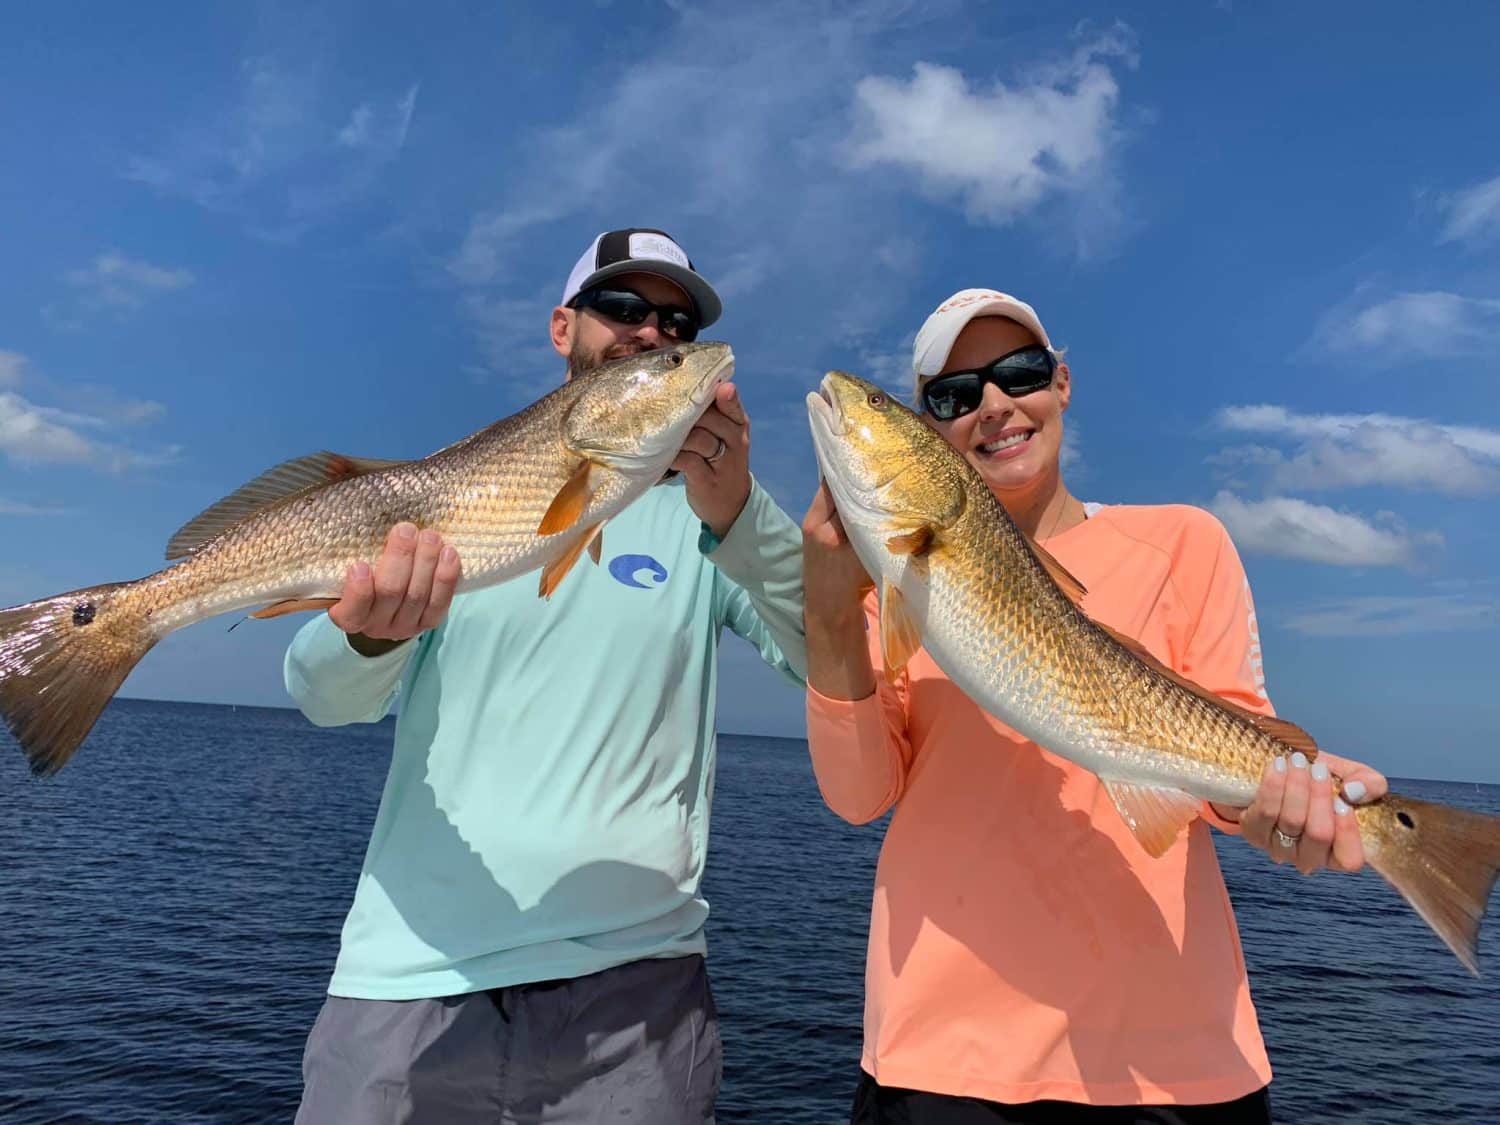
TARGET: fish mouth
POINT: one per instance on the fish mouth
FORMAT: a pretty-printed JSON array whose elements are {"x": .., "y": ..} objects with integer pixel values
[
  {"x": 720, "y": 372},
  {"x": 824, "y": 406}
]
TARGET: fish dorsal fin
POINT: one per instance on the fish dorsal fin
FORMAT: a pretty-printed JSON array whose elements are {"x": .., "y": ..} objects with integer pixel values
[
  {"x": 1072, "y": 589},
  {"x": 1156, "y": 816},
  {"x": 568, "y": 505},
  {"x": 1289, "y": 733},
  {"x": 899, "y": 636},
  {"x": 302, "y": 474}
]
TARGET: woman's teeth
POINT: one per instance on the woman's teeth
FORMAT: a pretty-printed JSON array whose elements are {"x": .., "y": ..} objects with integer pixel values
[{"x": 1005, "y": 442}]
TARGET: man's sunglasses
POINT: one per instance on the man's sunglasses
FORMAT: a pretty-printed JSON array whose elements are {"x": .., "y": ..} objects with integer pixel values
[
  {"x": 625, "y": 307},
  {"x": 1021, "y": 372}
]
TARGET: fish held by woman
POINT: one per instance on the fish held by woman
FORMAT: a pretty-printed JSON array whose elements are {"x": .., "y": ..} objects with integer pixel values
[
  {"x": 530, "y": 491},
  {"x": 1009, "y": 626}
]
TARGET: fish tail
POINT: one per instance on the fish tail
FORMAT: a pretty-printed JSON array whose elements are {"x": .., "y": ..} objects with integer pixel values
[
  {"x": 1443, "y": 860},
  {"x": 61, "y": 660}
]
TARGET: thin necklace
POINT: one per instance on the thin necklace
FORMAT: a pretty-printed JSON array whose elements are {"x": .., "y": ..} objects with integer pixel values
[{"x": 1057, "y": 519}]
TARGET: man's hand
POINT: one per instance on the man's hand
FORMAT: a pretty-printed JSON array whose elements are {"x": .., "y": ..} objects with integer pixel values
[
  {"x": 1296, "y": 803},
  {"x": 407, "y": 592},
  {"x": 715, "y": 462}
]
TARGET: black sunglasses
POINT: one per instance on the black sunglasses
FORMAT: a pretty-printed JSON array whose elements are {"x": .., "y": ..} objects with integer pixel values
[
  {"x": 625, "y": 307},
  {"x": 1021, "y": 372}
]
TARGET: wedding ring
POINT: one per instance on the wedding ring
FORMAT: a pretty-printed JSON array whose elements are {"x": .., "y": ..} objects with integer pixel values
[
  {"x": 717, "y": 452},
  {"x": 1284, "y": 840}
]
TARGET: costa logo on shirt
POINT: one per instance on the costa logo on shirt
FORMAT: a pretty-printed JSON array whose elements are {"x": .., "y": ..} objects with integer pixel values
[{"x": 627, "y": 570}]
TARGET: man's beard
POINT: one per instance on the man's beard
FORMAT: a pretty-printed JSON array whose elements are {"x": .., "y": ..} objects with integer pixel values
[{"x": 582, "y": 360}]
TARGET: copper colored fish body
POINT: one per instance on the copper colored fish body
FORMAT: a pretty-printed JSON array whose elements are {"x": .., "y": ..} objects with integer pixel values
[
  {"x": 1008, "y": 625},
  {"x": 529, "y": 492}
]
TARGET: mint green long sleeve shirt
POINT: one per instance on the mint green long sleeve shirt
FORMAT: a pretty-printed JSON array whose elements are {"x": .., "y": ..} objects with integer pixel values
[{"x": 546, "y": 812}]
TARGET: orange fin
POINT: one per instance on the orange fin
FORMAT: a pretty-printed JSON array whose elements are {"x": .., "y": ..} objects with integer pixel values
[
  {"x": 1289, "y": 733},
  {"x": 556, "y": 570},
  {"x": 899, "y": 636},
  {"x": 916, "y": 542},
  {"x": 302, "y": 474},
  {"x": 1156, "y": 816},
  {"x": 293, "y": 605},
  {"x": 568, "y": 505},
  {"x": 596, "y": 545},
  {"x": 1072, "y": 589}
]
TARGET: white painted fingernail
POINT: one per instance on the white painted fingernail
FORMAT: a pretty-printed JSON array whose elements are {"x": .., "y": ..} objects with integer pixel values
[
  {"x": 1339, "y": 807},
  {"x": 1354, "y": 790},
  {"x": 1299, "y": 760},
  {"x": 1319, "y": 772},
  {"x": 1280, "y": 764}
]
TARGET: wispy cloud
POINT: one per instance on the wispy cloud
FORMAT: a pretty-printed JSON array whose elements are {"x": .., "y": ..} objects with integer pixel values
[
  {"x": 12, "y": 367},
  {"x": 735, "y": 132},
  {"x": 999, "y": 151},
  {"x": 115, "y": 284},
  {"x": 13, "y": 508},
  {"x": 1294, "y": 529},
  {"x": 1355, "y": 450},
  {"x": 277, "y": 156},
  {"x": 1397, "y": 616},
  {"x": 1473, "y": 214},
  {"x": 33, "y": 434},
  {"x": 1433, "y": 323}
]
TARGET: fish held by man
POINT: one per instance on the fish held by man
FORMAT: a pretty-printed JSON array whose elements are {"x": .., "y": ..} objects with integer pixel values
[
  {"x": 1009, "y": 626},
  {"x": 531, "y": 491}
]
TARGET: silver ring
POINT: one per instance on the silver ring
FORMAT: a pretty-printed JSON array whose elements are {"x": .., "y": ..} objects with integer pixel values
[
  {"x": 718, "y": 453},
  {"x": 1284, "y": 840}
]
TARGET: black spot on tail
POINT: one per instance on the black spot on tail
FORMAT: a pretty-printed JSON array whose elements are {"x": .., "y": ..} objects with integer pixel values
[{"x": 83, "y": 613}]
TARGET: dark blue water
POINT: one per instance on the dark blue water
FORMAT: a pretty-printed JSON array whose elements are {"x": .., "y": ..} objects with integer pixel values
[{"x": 171, "y": 904}]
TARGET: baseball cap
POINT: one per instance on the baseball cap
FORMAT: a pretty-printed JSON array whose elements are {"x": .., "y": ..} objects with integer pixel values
[
  {"x": 643, "y": 250},
  {"x": 941, "y": 329}
]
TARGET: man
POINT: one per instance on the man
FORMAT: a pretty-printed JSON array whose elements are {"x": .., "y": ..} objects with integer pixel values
[{"x": 526, "y": 939}]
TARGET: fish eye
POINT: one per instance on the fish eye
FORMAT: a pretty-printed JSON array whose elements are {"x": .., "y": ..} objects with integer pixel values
[
  {"x": 676, "y": 359},
  {"x": 877, "y": 400}
]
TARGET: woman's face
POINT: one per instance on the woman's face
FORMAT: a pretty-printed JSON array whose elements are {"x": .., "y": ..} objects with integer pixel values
[{"x": 1013, "y": 442}]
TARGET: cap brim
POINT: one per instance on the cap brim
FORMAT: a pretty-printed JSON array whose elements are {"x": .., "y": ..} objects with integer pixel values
[
  {"x": 707, "y": 301},
  {"x": 938, "y": 346}
]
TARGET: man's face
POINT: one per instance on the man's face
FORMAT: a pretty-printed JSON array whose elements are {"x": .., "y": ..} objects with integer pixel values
[{"x": 588, "y": 338}]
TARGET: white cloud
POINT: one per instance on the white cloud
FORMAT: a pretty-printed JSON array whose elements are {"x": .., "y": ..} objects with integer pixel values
[
  {"x": 116, "y": 282},
  {"x": 277, "y": 156},
  {"x": 1473, "y": 214},
  {"x": 513, "y": 336},
  {"x": 31, "y": 434},
  {"x": 1356, "y": 450},
  {"x": 12, "y": 367},
  {"x": 379, "y": 129},
  {"x": 999, "y": 151},
  {"x": 1294, "y": 529},
  {"x": 1430, "y": 323},
  {"x": 1396, "y": 616}
]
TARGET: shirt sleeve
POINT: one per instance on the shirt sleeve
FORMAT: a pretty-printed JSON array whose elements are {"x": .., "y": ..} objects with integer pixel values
[
  {"x": 861, "y": 749},
  {"x": 1223, "y": 651},
  {"x": 759, "y": 582},
  {"x": 332, "y": 684}
]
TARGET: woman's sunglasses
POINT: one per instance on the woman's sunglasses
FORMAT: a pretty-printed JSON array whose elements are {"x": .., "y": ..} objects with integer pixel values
[
  {"x": 625, "y": 307},
  {"x": 1021, "y": 372}
]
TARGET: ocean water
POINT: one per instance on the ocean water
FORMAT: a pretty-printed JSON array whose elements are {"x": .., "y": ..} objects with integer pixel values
[{"x": 171, "y": 902}]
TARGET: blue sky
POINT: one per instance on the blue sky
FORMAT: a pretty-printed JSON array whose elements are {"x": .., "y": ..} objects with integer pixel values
[{"x": 1269, "y": 236}]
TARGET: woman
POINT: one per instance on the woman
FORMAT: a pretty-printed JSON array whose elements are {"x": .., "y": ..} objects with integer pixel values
[{"x": 1028, "y": 961}]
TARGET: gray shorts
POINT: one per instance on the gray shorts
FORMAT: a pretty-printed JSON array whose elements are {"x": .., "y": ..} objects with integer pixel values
[{"x": 638, "y": 1043}]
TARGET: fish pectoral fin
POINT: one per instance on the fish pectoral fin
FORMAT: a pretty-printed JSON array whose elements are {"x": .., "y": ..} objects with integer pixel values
[
  {"x": 293, "y": 605},
  {"x": 899, "y": 635},
  {"x": 1155, "y": 815},
  {"x": 302, "y": 474},
  {"x": 556, "y": 570},
  {"x": 568, "y": 505},
  {"x": 596, "y": 545},
  {"x": 915, "y": 542},
  {"x": 1289, "y": 733},
  {"x": 1072, "y": 588}
]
